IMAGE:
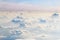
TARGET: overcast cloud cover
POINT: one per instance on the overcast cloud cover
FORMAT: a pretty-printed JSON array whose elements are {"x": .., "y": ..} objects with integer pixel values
[{"x": 42, "y": 5}]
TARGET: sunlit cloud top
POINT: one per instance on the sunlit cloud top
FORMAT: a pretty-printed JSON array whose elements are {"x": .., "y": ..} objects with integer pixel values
[{"x": 30, "y": 5}]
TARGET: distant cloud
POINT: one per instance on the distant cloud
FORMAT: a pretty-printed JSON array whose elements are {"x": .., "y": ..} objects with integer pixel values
[
  {"x": 14, "y": 6},
  {"x": 5, "y": 5}
]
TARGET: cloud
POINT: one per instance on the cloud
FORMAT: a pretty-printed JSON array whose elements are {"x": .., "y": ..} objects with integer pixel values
[
  {"x": 17, "y": 6},
  {"x": 26, "y": 6}
]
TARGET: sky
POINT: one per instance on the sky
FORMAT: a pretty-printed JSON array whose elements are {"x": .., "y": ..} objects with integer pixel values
[{"x": 42, "y": 5}]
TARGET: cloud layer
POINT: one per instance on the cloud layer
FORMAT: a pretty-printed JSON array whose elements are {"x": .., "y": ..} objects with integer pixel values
[{"x": 14, "y": 5}]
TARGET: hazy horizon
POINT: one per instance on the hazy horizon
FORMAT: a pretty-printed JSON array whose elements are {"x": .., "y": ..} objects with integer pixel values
[{"x": 40, "y": 5}]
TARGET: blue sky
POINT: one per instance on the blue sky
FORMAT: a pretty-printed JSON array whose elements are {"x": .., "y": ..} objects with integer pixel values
[{"x": 44, "y": 3}]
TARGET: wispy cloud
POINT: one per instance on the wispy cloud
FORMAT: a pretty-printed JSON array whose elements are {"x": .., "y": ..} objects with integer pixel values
[{"x": 30, "y": 5}]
